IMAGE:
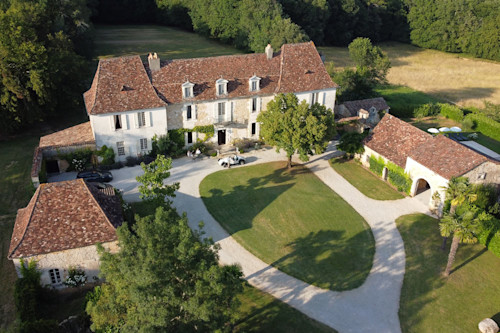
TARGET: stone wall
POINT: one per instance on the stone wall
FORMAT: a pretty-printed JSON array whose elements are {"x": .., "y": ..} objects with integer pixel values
[
  {"x": 85, "y": 258},
  {"x": 486, "y": 173}
]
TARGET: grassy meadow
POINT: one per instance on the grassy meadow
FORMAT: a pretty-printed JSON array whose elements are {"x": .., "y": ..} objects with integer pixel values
[
  {"x": 169, "y": 43},
  {"x": 447, "y": 77}
]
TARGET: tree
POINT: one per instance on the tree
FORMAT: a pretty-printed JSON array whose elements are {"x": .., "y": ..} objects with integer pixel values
[
  {"x": 351, "y": 143},
  {"x": 463, "y": 224},
  {"x": 372, "y": 66},
  {"x": 296, "y": 127},
  {"x": 152, "y": 186},
  {"x": 164, "y": 279},
  {"x": 41, "y": 75}
]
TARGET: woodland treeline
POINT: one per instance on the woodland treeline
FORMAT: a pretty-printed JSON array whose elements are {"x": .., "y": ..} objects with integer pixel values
[{"x": 46, "y": 45}]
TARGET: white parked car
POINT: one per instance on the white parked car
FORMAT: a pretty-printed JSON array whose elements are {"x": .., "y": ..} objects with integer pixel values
[{"x": 231, "y": 160}]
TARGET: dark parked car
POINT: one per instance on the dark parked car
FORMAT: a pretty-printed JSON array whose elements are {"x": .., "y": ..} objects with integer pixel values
[{"x": 95, "y": 176}]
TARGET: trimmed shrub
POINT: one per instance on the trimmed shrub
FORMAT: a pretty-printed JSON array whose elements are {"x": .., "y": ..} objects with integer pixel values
[
  {"x": 426, "y": 110},
  {"x": 131, "y": 161},
  {"x": 107, "y": 154},
  {"x": 484, "y": 125},
  {"x": 451, "y": 112},
  {"x": 489, "y": 236},
  {"x": 377, "y": 165},
  {"x": 398, "y": 178}
]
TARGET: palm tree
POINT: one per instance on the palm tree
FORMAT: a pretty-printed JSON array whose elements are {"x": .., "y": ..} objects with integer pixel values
[
  {"x": 458, "y": 191},
  {"x": 463, "y": 227}
]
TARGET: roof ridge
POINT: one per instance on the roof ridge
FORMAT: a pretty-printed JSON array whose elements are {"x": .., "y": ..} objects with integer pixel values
[
  {"x": 282, "y": 57},
  {"x": 37, "y": 193},
  {"x": 97, "y": 203},
  {"x": 98, "y": 72},
  {"x": 150, "y": 81}
]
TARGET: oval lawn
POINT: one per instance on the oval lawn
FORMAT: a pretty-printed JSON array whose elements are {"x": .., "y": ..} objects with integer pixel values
[{"x": 292, "y": 221}]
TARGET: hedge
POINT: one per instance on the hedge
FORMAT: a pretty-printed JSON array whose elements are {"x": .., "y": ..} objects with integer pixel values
[
  {"x": 451, "y": 112},
  {"x": 377, "y": 165},
  {"x": 398, "y": 178},
  {"x": 490, "y": 237},
  {"x": 485, "y": 125}
]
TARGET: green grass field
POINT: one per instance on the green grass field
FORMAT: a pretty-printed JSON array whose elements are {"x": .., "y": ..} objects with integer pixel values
[
  {"x": 293, "y": 221},
  {"x": 15, "y": 192},
  {"x": 431, "y": 303},
  {"x": 362, "y": 179},
  {"x": 169, "y": 43}
]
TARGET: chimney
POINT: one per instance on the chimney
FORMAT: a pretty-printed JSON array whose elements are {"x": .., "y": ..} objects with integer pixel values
[
  {"x": 269, "y": 52},
  {"x": 154, "y": 62}
]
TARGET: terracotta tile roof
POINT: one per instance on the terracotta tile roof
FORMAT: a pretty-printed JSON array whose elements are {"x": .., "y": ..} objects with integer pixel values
[
  {"x": 345, "y": 120},
  {"x": 62, "y": 216},
  {"x": 72, "y": 136},
  {"x": 354, "y": 106},
  {"x": 296, "y": 67},
  {"x": 121, "y": 84},
  {"x": 395, "y": 139},
  {"x": 446, "y": 157},
  {"x": 37, "y": 162}
]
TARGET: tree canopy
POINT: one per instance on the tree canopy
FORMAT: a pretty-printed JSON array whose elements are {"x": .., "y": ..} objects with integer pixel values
[
  {"x": 372, "y": 66},
  {"x": 164, "y": 278},
  {"x": 41, "y": 73},
  {"x": 296, "y": 127}
]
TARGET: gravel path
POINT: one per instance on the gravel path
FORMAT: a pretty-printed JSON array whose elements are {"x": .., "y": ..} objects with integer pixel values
[{"x": 373, "y": 307}]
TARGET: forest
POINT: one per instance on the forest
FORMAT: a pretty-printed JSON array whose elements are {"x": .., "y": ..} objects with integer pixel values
[{"x": 46, "y": 46}]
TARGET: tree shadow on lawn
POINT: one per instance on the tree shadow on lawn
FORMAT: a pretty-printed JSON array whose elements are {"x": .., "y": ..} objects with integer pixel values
[
  {"x": 255, "y": 196},
  {"x": 329, "y": 259}
]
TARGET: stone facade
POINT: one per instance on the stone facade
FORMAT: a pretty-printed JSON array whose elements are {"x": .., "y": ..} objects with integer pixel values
[
  {"x": 85, "y": 258},
  {"x": 486, "y": 173}
]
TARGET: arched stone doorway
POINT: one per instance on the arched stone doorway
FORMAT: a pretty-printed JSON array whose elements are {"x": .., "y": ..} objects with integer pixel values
[{"x": 422, "y": 186}]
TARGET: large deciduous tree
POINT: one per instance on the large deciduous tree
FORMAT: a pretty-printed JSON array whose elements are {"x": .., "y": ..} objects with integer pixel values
[
  {"x": 351, "y": 143},
  {"x": 40, "y": 72},
  {"x": 296, "y": 127},
  {"x": 372, "y": 66},
  {"x": 164, "y": 279}
]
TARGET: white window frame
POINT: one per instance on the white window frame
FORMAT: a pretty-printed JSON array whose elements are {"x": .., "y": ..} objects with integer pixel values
[
  {"x": 221, "y": 106},
  {"x": 254, "y": 80},
  {"x": 120, "y": 148},
  {"x": 189, "y": 112},
  {"x": 187, "y": 138},
  {"x": 117, "y": 120},
  {"x": 314, "y": 98},
  {"x": 221, "y": 86},
  {"x": 143, "y": 144},
  {"x": 55, "y": 276},
  {"x": 187, "y": 90},
  {"x": 254, "y": 104},
  {"x": 141, "y": 119}
]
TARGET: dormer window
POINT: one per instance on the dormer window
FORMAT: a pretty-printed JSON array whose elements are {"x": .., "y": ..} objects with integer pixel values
[
  {"x": 254, "y": 83},
  {"x": 187, "y": 90},
  {"x": 221, "y": 87}
]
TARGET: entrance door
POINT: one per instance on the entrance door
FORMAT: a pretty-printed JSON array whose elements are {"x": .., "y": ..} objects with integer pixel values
[{"x": 221, "y": 137}]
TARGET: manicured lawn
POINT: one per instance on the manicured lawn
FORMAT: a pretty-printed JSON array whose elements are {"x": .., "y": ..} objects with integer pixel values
[
  {"x": 291, "y": 220},
  {"x": 487, "y": 141},
  {"x": 366, "y": 182},
  {"x": 437, "y": 121},
  {"x": 431, "y": 303},
  {"x": 169, "y": 43}
]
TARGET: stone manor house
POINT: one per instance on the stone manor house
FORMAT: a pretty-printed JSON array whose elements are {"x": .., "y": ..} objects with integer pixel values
[{"x": 130, "y": 101}]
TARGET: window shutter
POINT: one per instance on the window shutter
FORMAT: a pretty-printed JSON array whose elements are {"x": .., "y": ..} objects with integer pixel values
[
  {"x": 215, "y": 113},
  {"x": 151, "y": 119},
  {"x": 184, "y": 112},
  {"x": 112, "y": 122},
  {"x": 195, "y": 111},
  {"x": 324, "y": 98},
  {"x": 147, "y": 118},
  {"x": 259, "y": 103},
  {"x": 230, "y": 116},
  {"x": 250, "y": 104},
  {"x": 136, "y": 120},
  {"x": 124, "y": 120}
]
